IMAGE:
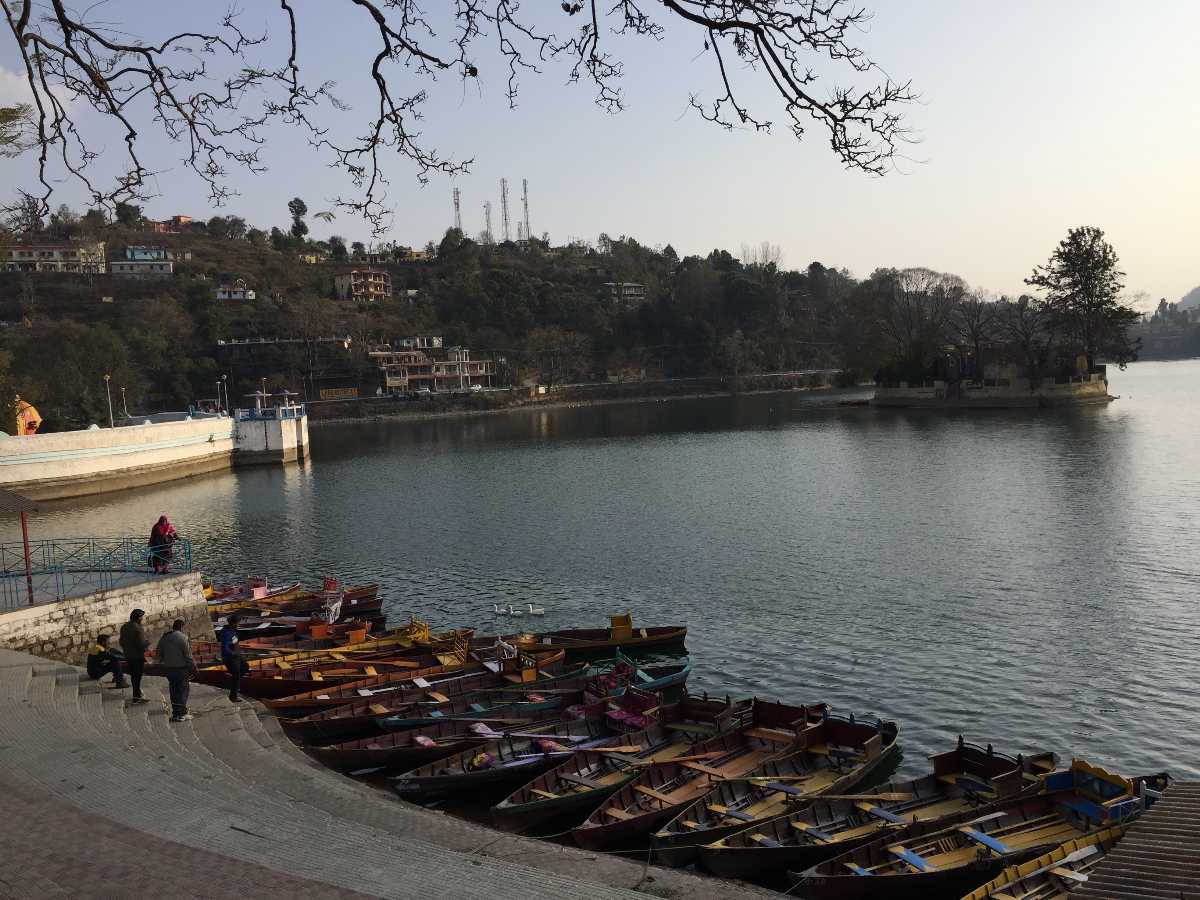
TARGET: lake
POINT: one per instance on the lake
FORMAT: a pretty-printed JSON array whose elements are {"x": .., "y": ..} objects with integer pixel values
[{"x": 1027, "y": 579}]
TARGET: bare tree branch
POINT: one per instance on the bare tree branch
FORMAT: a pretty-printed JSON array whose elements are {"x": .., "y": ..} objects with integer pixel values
[{"x": 205, "y": 92}]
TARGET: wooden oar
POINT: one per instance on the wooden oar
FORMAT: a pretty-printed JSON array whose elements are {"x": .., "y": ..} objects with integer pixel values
[{"x": 678, "y": 759}]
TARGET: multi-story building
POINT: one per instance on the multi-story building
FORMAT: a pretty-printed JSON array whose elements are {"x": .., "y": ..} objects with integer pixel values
[
  {"x": 154, "y": 254},
  {"x": 626, "y": 293},
  {"x": 141, "y": 268},
  {"x": 364, "y": 285},
  {"x": 411, "y": 368},
  {"x": 235, "y": 291},
  {"x": 173, "y": 225},
  {"x": 59, "y": 256}
]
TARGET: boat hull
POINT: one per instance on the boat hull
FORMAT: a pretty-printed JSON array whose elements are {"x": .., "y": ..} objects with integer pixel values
[
  {"x": 568, "y": 810},
  {"x": 948, "y": 885}
]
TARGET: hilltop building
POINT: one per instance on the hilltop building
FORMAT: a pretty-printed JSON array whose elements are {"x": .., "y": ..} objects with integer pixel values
[
  {"x": 147, "y": 262},
  {"x": 83, "y": 257},
  {"x": 363, "y": 285},
  {"x": 235, "y": 291},
  {"x": 626, "y": 293},
  {"x": 173, "y": 225}
]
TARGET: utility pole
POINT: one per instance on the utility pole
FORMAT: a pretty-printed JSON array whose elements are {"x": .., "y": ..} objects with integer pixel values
[
  {"x": 457, "y": 210},
  {"x": 487, "y": 220},
  {"x": 108, "y": 391},
  {"x": 504, "y": 209}
]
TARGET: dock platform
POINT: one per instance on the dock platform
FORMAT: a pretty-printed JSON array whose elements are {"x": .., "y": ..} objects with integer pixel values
[{"x": 1159, "y": 857}]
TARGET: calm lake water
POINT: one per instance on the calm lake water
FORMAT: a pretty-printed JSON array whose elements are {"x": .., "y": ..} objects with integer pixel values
[{"x": 1026, "y": 579}]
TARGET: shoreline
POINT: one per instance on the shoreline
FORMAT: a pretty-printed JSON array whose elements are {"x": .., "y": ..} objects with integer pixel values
[{"x": 558, "y": 405}]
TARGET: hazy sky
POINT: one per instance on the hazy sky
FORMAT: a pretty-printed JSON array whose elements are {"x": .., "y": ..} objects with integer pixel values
[{"x": 1034, "y": 117}]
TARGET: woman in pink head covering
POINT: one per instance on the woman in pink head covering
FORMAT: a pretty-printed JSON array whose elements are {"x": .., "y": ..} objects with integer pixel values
[{"x": 162, "y": 536}]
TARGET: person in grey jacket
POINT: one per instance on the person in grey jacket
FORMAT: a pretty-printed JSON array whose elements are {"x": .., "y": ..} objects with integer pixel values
[
  {"x": 175, "y": 656},
  {"x": 134, "y": 645}
]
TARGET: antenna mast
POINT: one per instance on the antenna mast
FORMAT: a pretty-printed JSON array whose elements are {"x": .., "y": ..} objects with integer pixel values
[
  {"x": 487, "y": 219},
  {"x": 504, "y": 209},
  {"x": 457, "y": 211},
  {"x": 525, "y": 202}
]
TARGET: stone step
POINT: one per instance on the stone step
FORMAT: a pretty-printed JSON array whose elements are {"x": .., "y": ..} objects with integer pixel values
[{"x": 231, "y": 789}]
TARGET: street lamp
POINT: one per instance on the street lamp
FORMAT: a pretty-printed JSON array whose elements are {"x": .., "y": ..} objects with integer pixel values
[
  {"x": 124, "y": 405},
  {"x": 226, "y": 383},
  {"x": 108, "y": 391}
]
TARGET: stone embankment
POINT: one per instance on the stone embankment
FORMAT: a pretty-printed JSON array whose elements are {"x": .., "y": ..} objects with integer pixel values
[
  {"x": 66, "y": 630},
  {"x": 103, "y": 799}
]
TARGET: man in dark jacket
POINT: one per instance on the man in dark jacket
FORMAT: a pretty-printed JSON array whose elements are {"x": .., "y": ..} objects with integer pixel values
[
  {"x": 231, "y": 655},
  {"x": 134, "y": 645},
  {"x": 174, "y": 653},
  {"x": 101, "y": 661}
]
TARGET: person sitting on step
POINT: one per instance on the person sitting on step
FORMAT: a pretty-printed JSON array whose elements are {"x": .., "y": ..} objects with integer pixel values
[{"x": 102, "y": 660}]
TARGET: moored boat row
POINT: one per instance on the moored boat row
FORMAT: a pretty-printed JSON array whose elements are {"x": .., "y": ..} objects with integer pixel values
[{"x": 565, "y": 733}]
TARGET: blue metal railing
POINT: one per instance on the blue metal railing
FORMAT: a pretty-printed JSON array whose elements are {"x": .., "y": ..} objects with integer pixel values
[{"x": 71, "y": 567}]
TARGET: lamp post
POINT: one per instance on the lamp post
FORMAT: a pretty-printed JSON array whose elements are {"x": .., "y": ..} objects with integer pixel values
[
  {"x": 108, "y": 392},
  {"x": 124, "y": 405},
  {"x": 226, "y": 383}
]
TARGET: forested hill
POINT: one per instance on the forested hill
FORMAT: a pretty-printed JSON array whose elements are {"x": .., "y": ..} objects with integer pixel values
[{"x": 548, "y": 312}]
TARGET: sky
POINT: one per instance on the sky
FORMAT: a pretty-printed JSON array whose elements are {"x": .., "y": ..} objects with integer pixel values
[{"x": 1034, "y": 117}]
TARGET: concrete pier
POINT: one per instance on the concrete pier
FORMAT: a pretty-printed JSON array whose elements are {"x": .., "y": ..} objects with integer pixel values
[{"x": 99, "y": 460}]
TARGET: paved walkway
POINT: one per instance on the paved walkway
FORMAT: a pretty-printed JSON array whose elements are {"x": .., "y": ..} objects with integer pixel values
[
  {"x": 99, "y": 798},
  {"x": 1159, "y": 856}
]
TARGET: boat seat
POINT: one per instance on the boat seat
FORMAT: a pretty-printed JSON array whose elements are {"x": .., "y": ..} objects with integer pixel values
[
  {"x": 618, "y": 814},
  {"x": 689, "y": 824},
  {"x": 707, "y": 770},
  {"x": 788, "y": 789},
  {"x": 579, "y": 780},
  {"x": 438, "y": 697},
  {"x": 986, "y": 840},
  {"x": 477, "y": 707},
  {"x": 546, "y": 795},
  {"x": 915, "y": 860},
  {"x": 857, "y": 869},
  {"x": 770, "y": 734},
  {"x": 379, "y": 709},
  {"x": 823, "y": 836},
  {"x": 732, "y": 813},
  {"x": 650, "y": 792},
  {"x": 880, "y": 813},
  {"x": 763, "y": 841}
]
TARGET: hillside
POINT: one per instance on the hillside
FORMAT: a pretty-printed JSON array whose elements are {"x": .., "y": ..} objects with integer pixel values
[{"x": 1190, "y": 300}]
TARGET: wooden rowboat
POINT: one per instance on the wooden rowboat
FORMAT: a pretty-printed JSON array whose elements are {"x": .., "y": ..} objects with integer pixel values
[
  {"x": 359, "y": 718},
  {"x": 510, "y": 758},
  {"x": 626, "y": 819},
  {"x": 1054, "y": 875},
  {"x": 620, "y": 635},
  {"x": 568, "y": 792},
  {"x": 522, "y": 670},
  {"x": 963, "y": 780},
  {"x": 917, "y": 863},
  {"x": 836, "y": 755}
]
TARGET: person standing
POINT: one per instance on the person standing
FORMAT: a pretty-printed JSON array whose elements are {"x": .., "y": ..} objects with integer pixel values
[
  {"x": 101, "y": 661},
  {"x": 175, "y": 656},
  {"x": 162, "y": 536},
  {"x": 134, "y": 645},
  {"x": 231, "y": 655}
]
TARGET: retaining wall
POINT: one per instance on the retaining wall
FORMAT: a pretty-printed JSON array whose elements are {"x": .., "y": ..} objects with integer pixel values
[
  {"x": 66, "y": 630},
  {"x": 77, "y": 463}
]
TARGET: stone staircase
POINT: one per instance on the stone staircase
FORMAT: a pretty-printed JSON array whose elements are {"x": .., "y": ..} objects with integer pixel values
[{"x": 102, "y": 798}]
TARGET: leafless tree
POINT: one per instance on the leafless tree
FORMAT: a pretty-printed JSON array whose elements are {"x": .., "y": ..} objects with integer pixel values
[
  {"x": 764, "y": 254},
  {"x": 1030, "y": 325},
  {"x": 917, "y": 306},
  {"x": 974, "y": 321},
  {"x": 206, "y": 90}
]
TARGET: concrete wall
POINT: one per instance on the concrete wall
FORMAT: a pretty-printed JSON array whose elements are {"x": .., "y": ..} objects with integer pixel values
[
  {"x": 1085, "y": 389},
  {"x": 76, "y": 463},
  {"x": 271, "y": 440},
  {"x": 66, "y": 630}
]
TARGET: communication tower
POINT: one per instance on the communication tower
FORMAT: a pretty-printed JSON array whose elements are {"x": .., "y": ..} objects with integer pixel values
[
  {"x": 457, "y": 211},
  {"x": 487, "y": 222},
  {"x": 525, "y": 202},
  {"x": 504, "y": 210}
]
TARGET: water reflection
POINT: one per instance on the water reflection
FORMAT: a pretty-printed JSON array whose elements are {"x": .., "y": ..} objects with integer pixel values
[{"x": 1026, "y": 578}]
